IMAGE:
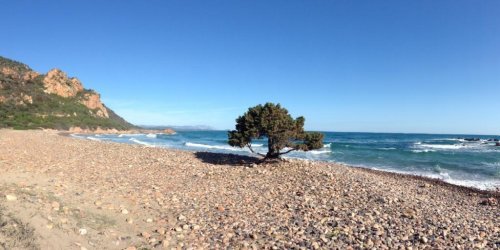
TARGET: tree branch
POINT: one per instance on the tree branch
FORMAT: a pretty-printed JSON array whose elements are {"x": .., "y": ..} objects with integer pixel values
[
  {"x": 293, "y": 149},
  {"x": 251, "y": 150}
]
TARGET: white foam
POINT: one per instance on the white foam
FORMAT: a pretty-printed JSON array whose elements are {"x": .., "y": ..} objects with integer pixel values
[
  {"x": 387, "y": 148},
  {"x": 443, "y": 146},
  {"x": 480, "y": 184},
  {"x": 151, "y": 135},
  {"x": 444, "y": 176},
  {"x": 447, "y": 139},
  {"x": 78, "y": 136},
  {"x": 422, "y": 150},
  {"x": 93, "y": 138},
  {"x": 328, "y": 145},
  {"x": 492, "y": 164},
  {"x": 318, "y": 152},
  {"x": 257, "y": 145},
  {"x": 199, "y": 145},
  {"x": 141, "y": 142}
]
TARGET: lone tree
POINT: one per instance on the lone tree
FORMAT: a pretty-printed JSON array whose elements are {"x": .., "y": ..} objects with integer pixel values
[{"x": 273, "y": 122}]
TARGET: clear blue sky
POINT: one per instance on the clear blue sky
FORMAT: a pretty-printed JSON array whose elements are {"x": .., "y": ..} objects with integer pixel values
[{"x": 388, "y": 66}]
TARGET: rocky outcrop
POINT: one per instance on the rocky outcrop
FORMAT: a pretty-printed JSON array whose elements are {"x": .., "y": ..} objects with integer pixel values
[
  {"x": 93, "y": 101},
  {"x": 10, "y": 72},
  {"x": 29, "y": 100},
  {"x": 168, "y": 131},
  {"x": 20, "y": 75},
  {"x": 57, "y": 82},
  {"x": 26, "y": 98}
]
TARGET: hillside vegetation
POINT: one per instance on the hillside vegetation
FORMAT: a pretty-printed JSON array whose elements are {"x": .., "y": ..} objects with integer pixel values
[{"x": 29, "y": 100}]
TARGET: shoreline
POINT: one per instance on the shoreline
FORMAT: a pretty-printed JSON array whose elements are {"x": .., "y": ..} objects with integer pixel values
[
  {"x": 495, "y": 191},
  {"x": 81, "y": 193}
]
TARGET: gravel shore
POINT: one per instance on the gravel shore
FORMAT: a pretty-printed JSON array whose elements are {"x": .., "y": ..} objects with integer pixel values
[{"x": 82, "y": 194}]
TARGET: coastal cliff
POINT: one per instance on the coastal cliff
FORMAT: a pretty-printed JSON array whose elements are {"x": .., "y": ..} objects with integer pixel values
[{"x": 53, "y": 100}]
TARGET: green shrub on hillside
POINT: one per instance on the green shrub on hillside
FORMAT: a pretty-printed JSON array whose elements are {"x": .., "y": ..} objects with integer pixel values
[{"x": 46, "y": 110}]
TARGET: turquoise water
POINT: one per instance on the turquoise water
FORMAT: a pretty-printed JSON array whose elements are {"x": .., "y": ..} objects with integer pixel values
[{"x": 446, "y": 157}]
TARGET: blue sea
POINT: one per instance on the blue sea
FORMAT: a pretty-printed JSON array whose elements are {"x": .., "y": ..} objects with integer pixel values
[{"x": 447, "y": 157}]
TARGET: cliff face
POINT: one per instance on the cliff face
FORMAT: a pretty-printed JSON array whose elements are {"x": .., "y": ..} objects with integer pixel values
[
  {"x": 57, "y": 82},
  {"x": 53, "y": 100},
  {"x": 93, "y": 102}
]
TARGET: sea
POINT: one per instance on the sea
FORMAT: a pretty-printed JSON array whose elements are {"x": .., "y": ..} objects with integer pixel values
[{"x": 451, "y": 158}]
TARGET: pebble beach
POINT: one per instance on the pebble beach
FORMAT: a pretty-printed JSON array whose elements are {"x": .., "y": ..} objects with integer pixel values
[{"x": 58, "y": 192}]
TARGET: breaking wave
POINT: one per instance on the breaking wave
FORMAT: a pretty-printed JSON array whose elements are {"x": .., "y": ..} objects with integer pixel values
[
  {"x": 199, "y": 145},
  {"x": 93, "y": 138},
  {"x": 443, "y": 146},
  {"x": 141, "y": 142}
]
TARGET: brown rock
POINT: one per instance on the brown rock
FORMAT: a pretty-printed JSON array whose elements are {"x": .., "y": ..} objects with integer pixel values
[
  {"x": 409, "y": 213},
  {"x": 161, "y": 231},
  {"x": 168, "y": 131},
  {"x": 146, "y": 235},
  {"x": 55, "y": 205},
  {"x": 93, "y": 102},
  {"x": 57, "y": 82},
  {"x": 489, "y": 202}
]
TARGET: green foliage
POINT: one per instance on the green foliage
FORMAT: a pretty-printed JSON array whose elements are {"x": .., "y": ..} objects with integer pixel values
[
  {"x": 17, "y": 66},
  {"x": 273, "y": 122},
  {"x": 46, "y": 110}
]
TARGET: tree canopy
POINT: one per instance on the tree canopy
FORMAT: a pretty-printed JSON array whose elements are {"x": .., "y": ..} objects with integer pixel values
[{"x": 284, "y": 134}]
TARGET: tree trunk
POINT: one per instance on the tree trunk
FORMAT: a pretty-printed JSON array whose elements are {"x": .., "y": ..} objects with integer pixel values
[{"x": 272, "y": 151}]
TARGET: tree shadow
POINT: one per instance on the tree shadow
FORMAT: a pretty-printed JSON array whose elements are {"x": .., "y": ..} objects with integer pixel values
[{"x": 226, "y": 159}]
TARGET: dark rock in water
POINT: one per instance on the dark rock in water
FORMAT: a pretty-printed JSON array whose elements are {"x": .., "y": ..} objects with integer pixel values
[
  {"x": 495, "y": 139},
  {"x": 497, "y": 144},
  {"x": 471, "y": 139}
]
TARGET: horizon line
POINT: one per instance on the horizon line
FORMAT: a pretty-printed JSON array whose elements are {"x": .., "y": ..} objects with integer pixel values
[{"x": 326, "y": 131}]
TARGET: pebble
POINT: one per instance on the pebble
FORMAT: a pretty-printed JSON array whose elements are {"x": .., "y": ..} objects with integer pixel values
[
  {"x": 161, "y": 230},
  {"x": 82, "y": 231},
  {"x": 55, "y": 205},
  {"x": 124, "y": 211},
  {"x": 11, "y": 197},
  {"x": 288, "y": 205}
]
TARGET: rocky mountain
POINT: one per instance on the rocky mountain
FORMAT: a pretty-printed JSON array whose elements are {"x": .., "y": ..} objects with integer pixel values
[{"x": 31, "y": 100}]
